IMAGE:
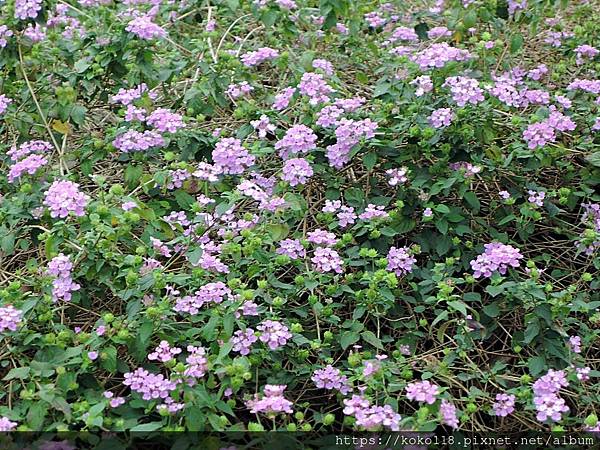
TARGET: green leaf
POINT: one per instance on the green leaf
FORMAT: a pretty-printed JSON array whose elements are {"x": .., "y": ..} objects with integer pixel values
[
  {"x": 109, "y": 359},
  {"x": 458, "y": 306},
  {"x": 278, "y": 231},
  {"x": 152, "y": 426},
  {"x": 194, "y": 255},
  {"x": 531, "y": 332},
  {"x": 354, "y": 197},
  {"x": 369, "y": 160},
  {"x": 491, "y": 310},
  {"x": 36, "y": 414},
  {"x": 470, "y": 19},
  {"x": 370, "y": 337},
  {"x": 536, "y": 365},
  {"x": 184, "y": 199},
  {"x": 348, "y": 338},
  {"x": 133, "y": 175},
  {"x": 516, "y": 43},
  {"x": 8, "y": 243},
  {"x": 18, "y": 372},
  {"x": 593, "y": 159},
  {"x": 473, "y": 201}
]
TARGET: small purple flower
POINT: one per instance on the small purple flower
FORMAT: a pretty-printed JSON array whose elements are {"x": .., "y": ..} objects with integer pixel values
[
  {"x": 400, "y": 261},
  {"x": 575, "y": 344},
  {"x": 331, "y": 378},
  {"x": 272, "y": 402},
  {"x": 273, "y": 333},
  {"x": 10, "y": 318},
  {"x": 144, "y": 28},
  {"x": 496, "y": 257},
  {"x": 296, "y": 171},
  {"x": 6, "y": 424},
  {"x": 259, "y": 56},
  {"x": 441, "y": 117},
  {"x": 322, "y": 237},
  {"x": 448, "y": 413},
  {"x": 242, "y": 341},
  {"x": 263, "y": 126},
  {"x": 327, "y": 260},
  {"x": 422, "y": 391},
  {"x": 291, "y": 248},
  {"x": 504, "y": 405}
]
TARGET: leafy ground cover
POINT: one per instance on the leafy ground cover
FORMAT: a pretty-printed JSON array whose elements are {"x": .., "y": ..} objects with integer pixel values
[{"x": 299, "y": 215}]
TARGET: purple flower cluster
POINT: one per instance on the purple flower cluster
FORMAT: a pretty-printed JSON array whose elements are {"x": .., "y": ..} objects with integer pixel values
[
  {"x": 315, "y": 88},
  {"x": 441, "y": 117},
  {"x": 504, "y": 405},
  {"x": 6, "y": 424},
  {"x": 63, "y": 197},
  {"x": 369, "y": 417},
  {"x": 496, "y": 257},
  {"x": 423, "y": 85},
  {"x": 321, "y": 237},
  {"x": 128, "y": 96},
  {"x": 400, "y": 260},
  {"x": 282, "y": 100},
  {"x": 28, "y": 148},
  {"x": 291, "y": 248},
  {"x": 114, "y": 402},
  {"x": 373, "y": 212},
  {"x": 438, "y": 32},
  {"x": 584, "y": 52},
  {"x": 403, "y": 34},
  {"x": 259, "y": 56},
  {"x": 207, "y": 294},
  {"x": 345, "y": 214},
  {"x": 539, "y": 134},
  {"x": 164, "y": 120},
  {"x": 591, "y": 86},
  {"x": 331, "y": 378},
  {"x": 27, "y": 158},
  {"x": 422, "y": 391},
  {"x": 397, "y": 176},
  {"x": 236, "y": 90},
  {"x": 273, "y": 333},
  {"x": 324, "y": 65},
  {"x": 272, "y": 402},
  {"x": 296, "y": 171},
  {"x": 348, "y": 133},
  {"x": 230, "y": 157},
  {"x": 327, "y": 260},
  {"x": 438, "y": 55},
  {"x": 5, "y": 33},
  {"x": 575, "y": 344},
  {"x": 60, "y": 268},
  {"x": 547, "y": 402},
  {"x": 242, "y": 341},
  {"x": 164, "y": 352},
  {"x": 263, "y": 126},
  {"x": 151, "y": 386},
  {"x": 448, "y": 413},
  {"x": 464, "y": 90},
  {"x": 144, "y": 28},
  {"x": 136, "y": 141},
  {"x": 10, "y": 318},
  {"x": 536, "y": 198},
  {"x": 27, "y": 9},
  {"x": 297, "y": 139},
  {"x": 330, "y": 114},
  {"x": 196, "y": 364},
  {"x": 591, "y": 217}
]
